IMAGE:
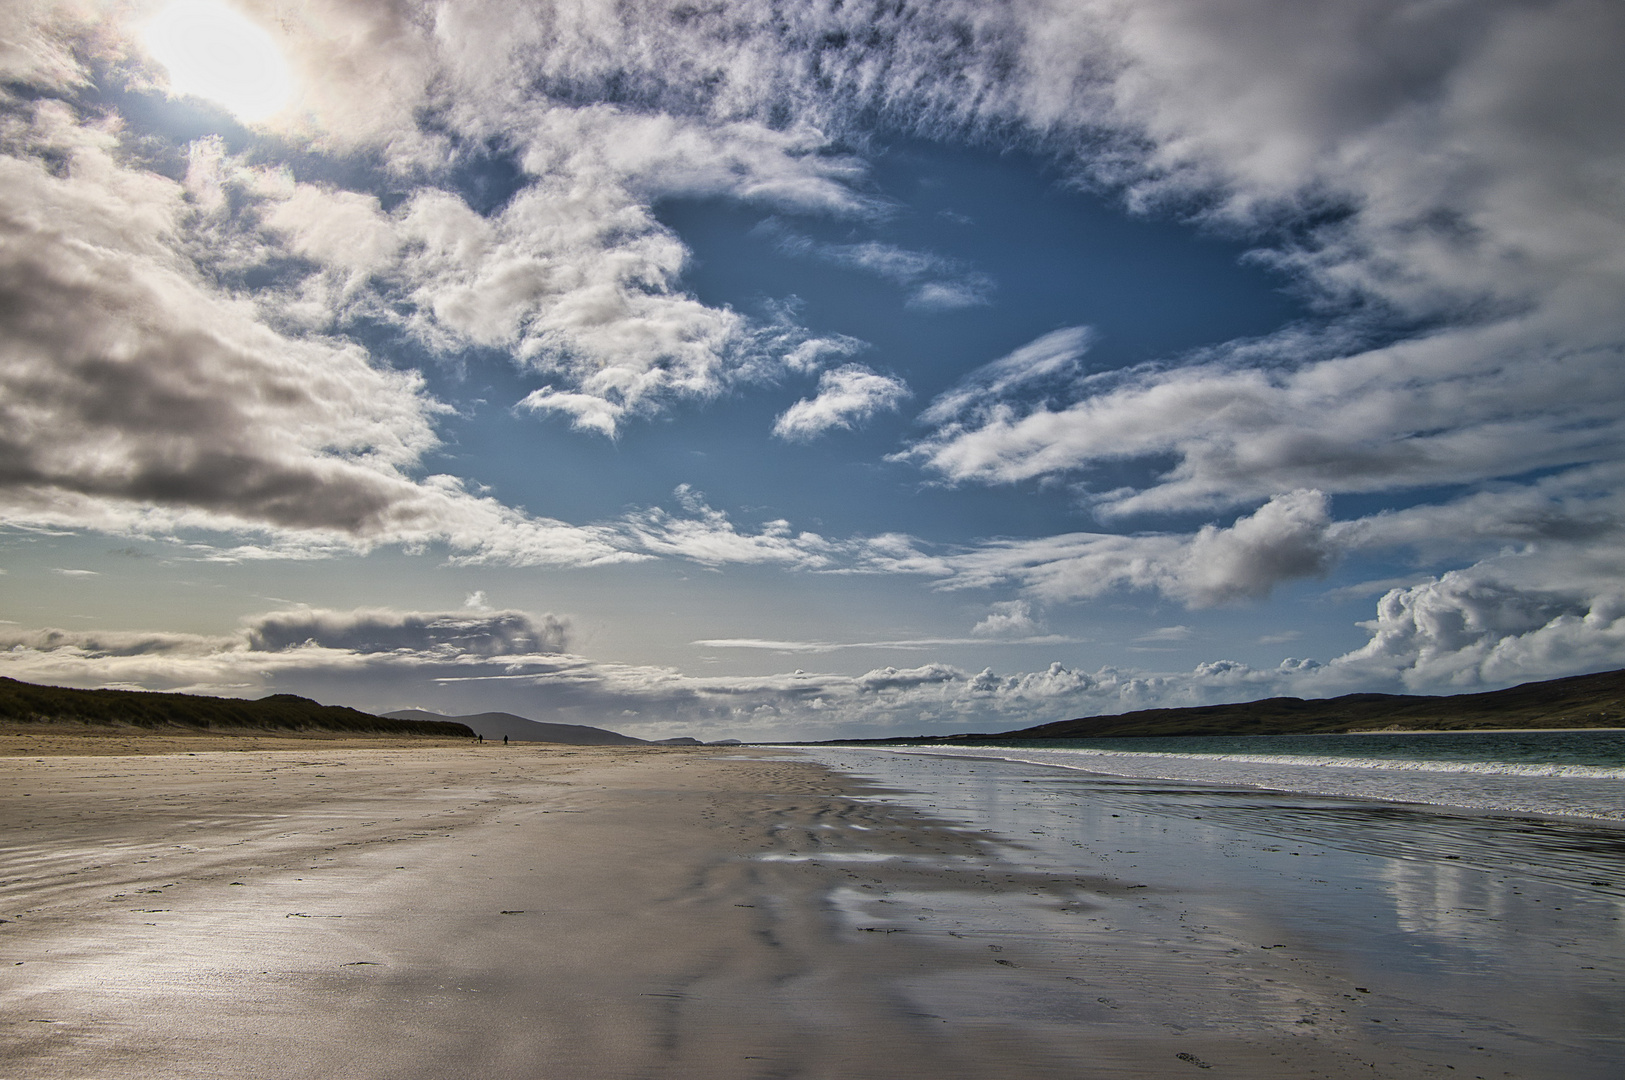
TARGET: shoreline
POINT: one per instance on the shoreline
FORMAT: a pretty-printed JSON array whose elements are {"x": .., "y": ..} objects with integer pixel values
[
  {"x": 973, "y": 740},
  {"x": 1468, "y": 930},
  {"x": 62, "y": 740},
  {"x": 614, "y": 912},
  {"x": 1507, "y": 788}
]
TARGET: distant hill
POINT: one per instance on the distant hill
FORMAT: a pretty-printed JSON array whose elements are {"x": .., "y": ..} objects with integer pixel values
[
  {"x": 1579, "y": 701},
  {"x": 494, "y": 725},
  {"x": 27, "y": 703}
]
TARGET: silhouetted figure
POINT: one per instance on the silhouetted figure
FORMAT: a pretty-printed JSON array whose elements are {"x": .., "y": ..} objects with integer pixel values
[{"x": 504, "y": 740}]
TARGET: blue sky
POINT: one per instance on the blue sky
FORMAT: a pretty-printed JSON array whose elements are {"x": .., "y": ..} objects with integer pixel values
[{"x": 806, "y": 370}]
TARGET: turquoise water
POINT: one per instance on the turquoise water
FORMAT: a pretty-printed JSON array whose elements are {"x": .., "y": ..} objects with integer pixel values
[{"x": 1563, "y": 773}]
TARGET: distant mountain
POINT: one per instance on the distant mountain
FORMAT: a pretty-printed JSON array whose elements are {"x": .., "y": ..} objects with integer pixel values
[
  {"x": 28, "y": 703},
  {"x": 494, "y": 725},
  {"x": 1579, "y": 701}
]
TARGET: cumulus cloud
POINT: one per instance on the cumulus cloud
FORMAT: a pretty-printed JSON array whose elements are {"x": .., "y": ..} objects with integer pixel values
[
  {"x": 848, "y": 395},
  {"x": 1008, "y": 618},
  {"x": 573, "y": 277},
  {"x": 1464, "y": 631},
  {"x": 900, "y": 679},
  {"x": 1472, "y": 629},
  {"x": 1285, "y": 539},
  {"x": 137, "y": 397}
]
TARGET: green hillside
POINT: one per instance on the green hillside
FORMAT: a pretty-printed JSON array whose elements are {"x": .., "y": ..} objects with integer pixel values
[
  {"x": 27, "y": 703},
  {"x": 1580, "y": 701}
]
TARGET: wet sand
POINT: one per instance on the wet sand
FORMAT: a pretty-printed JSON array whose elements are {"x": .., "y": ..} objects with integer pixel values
[{"x": 534, "y": 912}]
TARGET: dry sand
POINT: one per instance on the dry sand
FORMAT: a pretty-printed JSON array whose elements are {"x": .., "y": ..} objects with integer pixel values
[{"x": 532, "y": 912}]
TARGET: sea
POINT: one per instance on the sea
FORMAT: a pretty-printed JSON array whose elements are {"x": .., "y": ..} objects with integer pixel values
[
  {"x": 1579, "y": 774},
  {"x": 1470, "y": 886}
]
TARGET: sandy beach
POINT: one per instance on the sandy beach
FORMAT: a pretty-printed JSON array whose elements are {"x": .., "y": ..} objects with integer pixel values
[
  {"x": 548, "y": 912},
  {"x": 80, "y": 740}
]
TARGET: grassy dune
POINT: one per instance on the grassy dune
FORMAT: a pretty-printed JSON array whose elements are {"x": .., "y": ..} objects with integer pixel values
[{"x": 132, "y": 710}]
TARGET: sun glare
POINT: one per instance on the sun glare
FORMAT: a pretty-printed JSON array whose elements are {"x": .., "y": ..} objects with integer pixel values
[{"x": 213, "y": 52}]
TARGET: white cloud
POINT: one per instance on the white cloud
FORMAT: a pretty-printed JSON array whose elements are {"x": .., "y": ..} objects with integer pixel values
[
  {"x": 124, "y": 377},
  {"x": 848, "y": 395},
  {"x": 1453, "y": 408},
  {"x": 1165, "y": 634},
  {"x": 1469, "y": 174},
  {"x": 573, "y": 277},
  {"x": 456, "y": 634},
  {"x": 967, "y": 292},
  {"x": 1584, "y": 506},
  {"x": 1008, "y": 618},
  {"x": 1050, "y": 360},
  {"x": 342, "y": 229},
  {"x": 587, "y": 412},
  {"x": 1473, "y": 629},
  {"x": 1285, "y": 539},
  {"x": 901, "y": 644},
  {"x": 708, "y": 537},
  {"x": 1466, "y": 168},
  {"x": 935, "y": 283},
  {"x": 37, "y": 40},
  {"x": 138, "y": 398}
]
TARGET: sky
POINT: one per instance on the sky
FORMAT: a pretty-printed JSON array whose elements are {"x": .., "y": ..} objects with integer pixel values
[{"x": 811, "y": 369}]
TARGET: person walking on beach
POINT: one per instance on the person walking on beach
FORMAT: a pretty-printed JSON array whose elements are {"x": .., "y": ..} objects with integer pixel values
[{"x": 504, "y": 740}]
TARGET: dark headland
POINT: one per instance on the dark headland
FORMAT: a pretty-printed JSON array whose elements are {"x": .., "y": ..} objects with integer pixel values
[
  {"x": 500, "y": 725},
  {"x": 1579, "y": 701}
]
